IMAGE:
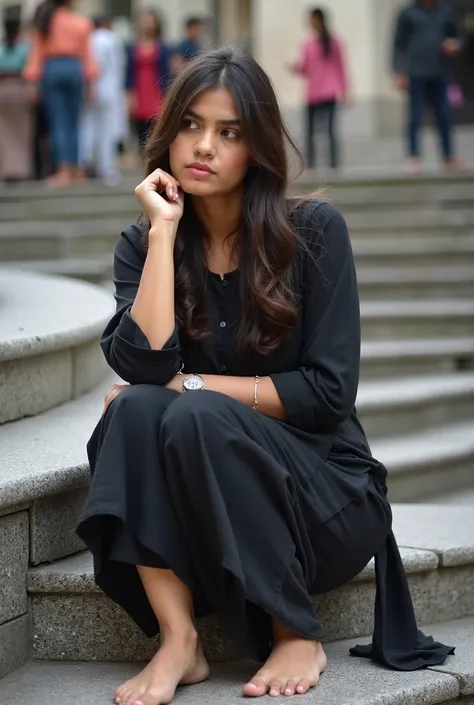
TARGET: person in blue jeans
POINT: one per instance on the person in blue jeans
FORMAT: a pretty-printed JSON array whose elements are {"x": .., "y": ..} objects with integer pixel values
[
  {"x": 426, "y": 35},
  {"x": 61, "y": 66}
]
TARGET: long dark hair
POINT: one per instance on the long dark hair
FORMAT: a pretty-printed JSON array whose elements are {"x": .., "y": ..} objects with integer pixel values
[
  {"x": 12, "y": 28},
  {"x": 320, "y": 15},
  {"x": 266, "y": 241},
  {"x": 44, "y": 15}
]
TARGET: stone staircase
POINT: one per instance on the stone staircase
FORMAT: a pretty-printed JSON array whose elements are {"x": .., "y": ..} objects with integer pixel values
[{"x": 414, "y": 246}]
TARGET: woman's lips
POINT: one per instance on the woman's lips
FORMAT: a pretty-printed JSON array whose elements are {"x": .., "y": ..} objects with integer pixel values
[{"x": 200, "y": 172}]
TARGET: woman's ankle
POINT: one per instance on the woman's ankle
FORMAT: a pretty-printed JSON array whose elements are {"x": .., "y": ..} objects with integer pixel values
[
  {"x": 282, "y": 634},
  {"x": 184, "y": 632}
]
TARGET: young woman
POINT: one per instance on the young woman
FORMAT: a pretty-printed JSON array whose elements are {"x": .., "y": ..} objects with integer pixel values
[
  {"x": 61, "y": 62},
  {"x": 232, "y": 476},
  {"x": 16, "y": 113},
  {"x": 147, "y": 74},
  {"x": 322, "y": 64}
]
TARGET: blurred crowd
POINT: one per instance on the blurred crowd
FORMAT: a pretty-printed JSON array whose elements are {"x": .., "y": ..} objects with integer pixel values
[{"x": 75, "y": 99}]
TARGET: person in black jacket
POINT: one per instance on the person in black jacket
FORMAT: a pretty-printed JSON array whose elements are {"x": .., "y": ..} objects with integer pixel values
[
  {"x": 231, "y": 474},
  {"x": 426, "y": 36}
]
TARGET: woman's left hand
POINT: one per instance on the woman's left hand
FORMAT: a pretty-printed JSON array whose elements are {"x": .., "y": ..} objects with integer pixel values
[{"x": 112, "y": 394}]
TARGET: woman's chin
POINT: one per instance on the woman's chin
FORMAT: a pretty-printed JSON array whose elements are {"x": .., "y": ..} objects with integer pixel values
[{"x": 197, "y": 188}]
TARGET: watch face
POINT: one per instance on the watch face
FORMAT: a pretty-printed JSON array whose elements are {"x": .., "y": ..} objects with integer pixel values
[{"x": 193, "y": 382}]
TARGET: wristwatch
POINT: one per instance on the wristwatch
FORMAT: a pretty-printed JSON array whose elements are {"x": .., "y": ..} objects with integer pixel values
[{"x": 192, "y": 383}]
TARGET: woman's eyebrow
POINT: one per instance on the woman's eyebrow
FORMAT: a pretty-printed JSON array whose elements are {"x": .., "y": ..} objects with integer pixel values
[{"x": 196, "y": 116}]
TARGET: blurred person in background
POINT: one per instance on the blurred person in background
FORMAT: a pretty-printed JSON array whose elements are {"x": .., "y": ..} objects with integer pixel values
[
  {"x": 104, "y": 117},
  {"x": 61, "y": 62},
  {"x": 16, "y": 112},
  {"x": 426, "y": 35},
  {"x": 147, "y": 73},
  {"x": 322, "y": 63},
  {"x": 191, "y": 45}
]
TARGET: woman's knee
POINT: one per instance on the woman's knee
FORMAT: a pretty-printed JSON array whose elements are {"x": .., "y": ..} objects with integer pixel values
[
  {"x": 142, "y": 400},
  {"x": 192, "y": 410}
]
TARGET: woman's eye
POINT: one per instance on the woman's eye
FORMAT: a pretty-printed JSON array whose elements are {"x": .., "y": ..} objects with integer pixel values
[
  {"x": 189, "y": 124},
  {"x": 230, "y": 134}
]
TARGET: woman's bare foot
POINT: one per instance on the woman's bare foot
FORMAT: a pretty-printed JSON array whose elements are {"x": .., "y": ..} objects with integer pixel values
[
  {"x": 180, "y": 660},
  {"x": 294, "y": 666}
]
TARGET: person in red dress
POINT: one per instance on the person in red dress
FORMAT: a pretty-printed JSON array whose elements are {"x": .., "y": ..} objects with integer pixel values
[{"x": 148, "y": 73}]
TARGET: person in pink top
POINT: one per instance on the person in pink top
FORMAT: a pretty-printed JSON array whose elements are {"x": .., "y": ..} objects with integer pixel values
[
  {"x": 322, "y": 64},
  {"x": 61, "y": 64}
]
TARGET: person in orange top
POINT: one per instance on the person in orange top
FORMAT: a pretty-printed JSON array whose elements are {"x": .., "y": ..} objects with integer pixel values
[{"x": 61, "y": 64}]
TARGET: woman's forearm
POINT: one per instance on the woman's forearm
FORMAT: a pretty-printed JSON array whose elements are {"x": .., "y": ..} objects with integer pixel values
[
  {"x": 153, "y": 309},
  {"x": 242, "y": 389}
]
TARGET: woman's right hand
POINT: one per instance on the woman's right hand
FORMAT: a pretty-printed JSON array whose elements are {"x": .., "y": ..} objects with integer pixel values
[{"x": 161, "y": 198}]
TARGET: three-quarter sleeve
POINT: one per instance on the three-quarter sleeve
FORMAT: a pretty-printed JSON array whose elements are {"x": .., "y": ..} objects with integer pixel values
[
  {"x": 125, "y": 346},
  {"x": 321, "y": 393}
]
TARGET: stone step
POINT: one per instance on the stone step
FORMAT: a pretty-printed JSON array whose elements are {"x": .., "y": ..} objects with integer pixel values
[
  {"x": 393, "y": 407},
  {"x": 400, "y": 219},
  {"x": 404, "y": 358},
  {"x": 49, "y": 332},
  {"x": 96, "y": 270},
  {"x": 424, "y": 466},
  {"x": 465, "y": 496},
  {"x": 346, "y": 681},
  {"x": 351, "y": 185},
  {"x": 412, "y": 251},
  {"x": 66, "y": 602},
  {"x": 52, "y": 239},
  {"x": 444, "y": 282},
  {"x": 382, "y": 320}
]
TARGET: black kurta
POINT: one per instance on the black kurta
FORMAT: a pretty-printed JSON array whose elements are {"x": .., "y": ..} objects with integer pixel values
[{"x": 254, "y": 514}]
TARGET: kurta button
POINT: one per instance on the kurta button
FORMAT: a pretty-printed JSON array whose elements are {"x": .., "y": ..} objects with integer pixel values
[
  {"x": 223, "y": 324},
  {"x": 224, "y": 282},
  {"x": 223, "y": 368}
]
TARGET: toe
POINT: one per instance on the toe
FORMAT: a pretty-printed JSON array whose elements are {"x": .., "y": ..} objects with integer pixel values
[
  {"x": 303, "y": 686},
  {"x": 255, "y": 688},
  {"x": 276, "y": 688},
  {"x": 290, "y": 688}
]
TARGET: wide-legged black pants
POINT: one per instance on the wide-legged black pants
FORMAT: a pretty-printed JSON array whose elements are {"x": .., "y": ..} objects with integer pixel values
[{"x": 238, "y": 505}]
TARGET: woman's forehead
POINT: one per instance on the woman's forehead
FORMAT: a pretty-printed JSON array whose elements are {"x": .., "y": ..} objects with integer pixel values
[{"x": 215, "y": 104}]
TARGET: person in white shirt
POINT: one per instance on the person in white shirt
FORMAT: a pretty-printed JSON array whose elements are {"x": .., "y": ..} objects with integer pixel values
[{"x": 105, "y": 117}]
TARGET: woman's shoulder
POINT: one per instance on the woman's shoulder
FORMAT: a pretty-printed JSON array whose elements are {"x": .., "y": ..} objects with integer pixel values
[
  {"x": 321, "y": 227},
  {"x": 312, "y": 215}
]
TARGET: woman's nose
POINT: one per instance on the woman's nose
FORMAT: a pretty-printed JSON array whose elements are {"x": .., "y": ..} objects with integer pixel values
[{"x": 205, "y": 144}]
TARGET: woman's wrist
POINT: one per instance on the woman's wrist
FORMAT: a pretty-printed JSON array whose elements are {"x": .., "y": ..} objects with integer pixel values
[{"x": 161, "y": 230}]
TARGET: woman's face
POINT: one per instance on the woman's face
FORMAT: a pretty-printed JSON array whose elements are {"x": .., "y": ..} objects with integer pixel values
[
  {"x": 209, "y": 156},
  {"x": 315, "y": 23},
  {"x": 146, "y": 25}
]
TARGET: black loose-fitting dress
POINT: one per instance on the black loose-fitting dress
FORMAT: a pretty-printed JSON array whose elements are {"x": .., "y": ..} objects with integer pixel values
[{"x": 254, "y": 514}]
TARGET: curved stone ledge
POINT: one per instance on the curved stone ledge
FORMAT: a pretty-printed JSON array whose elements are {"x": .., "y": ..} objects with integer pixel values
[{"x": 49, "y": 332}]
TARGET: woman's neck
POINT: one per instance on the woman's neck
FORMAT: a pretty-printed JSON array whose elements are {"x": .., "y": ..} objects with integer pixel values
[{"x": 220, "y": 215}]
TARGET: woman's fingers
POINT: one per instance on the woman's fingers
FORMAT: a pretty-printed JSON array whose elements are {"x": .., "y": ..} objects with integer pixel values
[
  {"x": 112, "y": 394},
  {"x": 161, "y": 180}
]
